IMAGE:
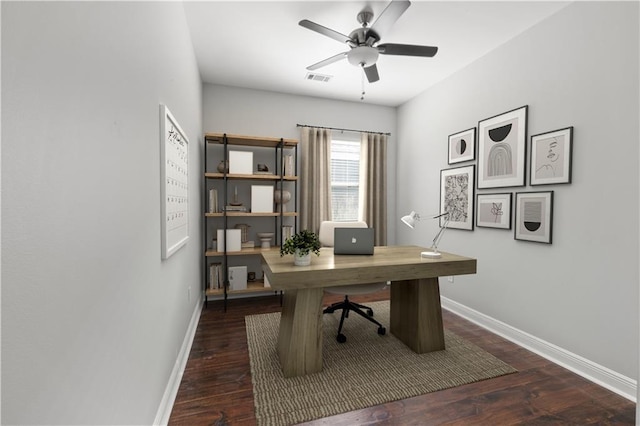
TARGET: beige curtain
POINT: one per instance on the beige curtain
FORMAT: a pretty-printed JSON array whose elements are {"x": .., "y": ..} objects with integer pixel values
[
  {"x": 315, "y": 177},
  {"x": 373, "y": 184}
]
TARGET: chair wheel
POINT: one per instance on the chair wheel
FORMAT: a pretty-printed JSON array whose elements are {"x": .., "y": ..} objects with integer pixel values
[
  {"x": 341, "y": 338},
  {"x": 382, "y": 331},
  {"x": 370, "y": 312}
]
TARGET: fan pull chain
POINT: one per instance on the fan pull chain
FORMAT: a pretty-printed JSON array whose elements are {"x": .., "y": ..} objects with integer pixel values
[{"x": 362, "y": 80}]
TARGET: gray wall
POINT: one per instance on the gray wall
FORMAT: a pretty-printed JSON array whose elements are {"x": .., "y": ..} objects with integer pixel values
[
  {"x": 92, "y": 319},
  {"x": 578, "y": 68}
]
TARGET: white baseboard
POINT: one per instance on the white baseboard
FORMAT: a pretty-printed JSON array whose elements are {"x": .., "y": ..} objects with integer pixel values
[
  {"x": 590, "y": 370},
  {"x": 170, "y": 392}
]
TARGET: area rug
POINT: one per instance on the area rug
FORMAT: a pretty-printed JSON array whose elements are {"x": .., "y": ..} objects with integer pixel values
[{"x": 380, "y": 369}]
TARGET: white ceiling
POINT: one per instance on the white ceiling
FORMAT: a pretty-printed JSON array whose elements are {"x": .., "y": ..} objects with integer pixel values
[{"x": 259, "y": 44}]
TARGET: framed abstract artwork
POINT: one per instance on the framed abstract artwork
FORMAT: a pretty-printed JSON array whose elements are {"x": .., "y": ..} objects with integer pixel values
[
  {"x": 462, "y": 146},
  {"x": 456, "y": 196},
  {"x": 551, "y": 157},
  {"x": 494, "y": 211},
  {"x": 502, "y": 149},
  {"x": 174, "y": 186},
  {"x": 534, "y": 216}
]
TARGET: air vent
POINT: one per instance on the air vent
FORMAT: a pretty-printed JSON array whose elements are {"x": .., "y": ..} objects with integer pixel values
[{"x": 318, "y": 77}]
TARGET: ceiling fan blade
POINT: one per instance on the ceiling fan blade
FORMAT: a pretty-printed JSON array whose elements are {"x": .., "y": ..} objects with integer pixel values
[
  {"x": 372, "y": 73},
  {"x": 389, "y": 16},
  {"x": 324, "y": 31},
  {"x": 334, "y": 58},
  {"x": 407, "y": 50}
]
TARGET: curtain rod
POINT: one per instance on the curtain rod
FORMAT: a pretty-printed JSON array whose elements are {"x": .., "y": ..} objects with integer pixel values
[{"x": 343, "y": 130}]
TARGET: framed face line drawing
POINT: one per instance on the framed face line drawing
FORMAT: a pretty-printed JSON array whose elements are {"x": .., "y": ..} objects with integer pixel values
[
  {"x": 534, "y": 216},
  {"x": 456, "y": 196},
  {"x": 502, "y": 149},
  {"x": 493, "y": 211},
  {"x": 462, "y": 146},
  {"x": 551, "y": 154}
]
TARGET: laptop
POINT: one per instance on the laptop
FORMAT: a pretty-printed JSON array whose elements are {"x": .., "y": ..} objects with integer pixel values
[{"x": 353, "y": 241}]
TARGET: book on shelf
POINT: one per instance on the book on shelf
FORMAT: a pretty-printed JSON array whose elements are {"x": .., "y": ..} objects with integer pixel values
[
  {"x": 213, "y": 201},
  {"x": 287, "y": 165},
  {"x": 215, "y": 276},
  {"x": 235, "y": 208},
  {"x": 287, "y": 232}
]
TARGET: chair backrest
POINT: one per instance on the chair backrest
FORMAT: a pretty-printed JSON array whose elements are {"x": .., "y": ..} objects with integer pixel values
[{"x": 327, "y": 230}]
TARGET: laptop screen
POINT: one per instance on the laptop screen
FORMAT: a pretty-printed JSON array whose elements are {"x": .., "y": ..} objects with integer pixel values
[{"x": 353, "y": 241}]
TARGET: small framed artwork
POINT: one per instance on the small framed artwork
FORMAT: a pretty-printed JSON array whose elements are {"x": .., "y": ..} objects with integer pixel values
[
  {"x": 534, "y": 216},
  {"x": 551, "y": 157},
  {"x": 462, "y": 146},
  {"x": 502, "y": 149},
  {"x": 494, "y": 211},
  {"x": 456, "y": 196}
]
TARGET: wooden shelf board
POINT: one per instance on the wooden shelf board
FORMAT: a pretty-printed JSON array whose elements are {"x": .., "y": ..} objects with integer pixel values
[
  {"x": 211, "y": 175},
  {"x": 249, "y": 214},
  {"x": 244, "y": 252},
  {"x": 252, "y": 287},
  {"x": 248, "y": 140}
]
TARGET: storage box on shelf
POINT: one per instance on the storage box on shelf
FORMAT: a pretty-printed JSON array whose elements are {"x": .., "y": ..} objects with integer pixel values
[{"x": 228, "y": 198}]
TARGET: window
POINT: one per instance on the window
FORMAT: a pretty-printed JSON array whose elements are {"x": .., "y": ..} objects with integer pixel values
[{"x": 345, "y": 180}]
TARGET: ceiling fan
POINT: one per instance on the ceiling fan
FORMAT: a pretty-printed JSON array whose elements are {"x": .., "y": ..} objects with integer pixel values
[{"x": 363, "y": 42}]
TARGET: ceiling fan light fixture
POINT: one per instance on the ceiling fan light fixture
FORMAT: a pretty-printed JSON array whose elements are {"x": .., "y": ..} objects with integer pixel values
[{"x": 363, "y": 56}]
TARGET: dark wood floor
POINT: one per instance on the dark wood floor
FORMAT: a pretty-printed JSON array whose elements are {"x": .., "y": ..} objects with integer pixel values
[{"x": 216, "y": 386}]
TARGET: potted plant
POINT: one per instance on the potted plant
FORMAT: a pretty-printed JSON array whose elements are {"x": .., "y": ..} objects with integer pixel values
[{"x": 301, "y": 245}]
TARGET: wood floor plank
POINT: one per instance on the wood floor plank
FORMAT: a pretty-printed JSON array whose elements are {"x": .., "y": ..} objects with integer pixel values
[{"x": 216, "y": 386}]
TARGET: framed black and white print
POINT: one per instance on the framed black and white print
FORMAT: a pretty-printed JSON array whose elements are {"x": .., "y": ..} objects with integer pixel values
[
  {"x": 494, "y": 211},
  {"x": 551, "y": 157},
  {"x": 534, "y": 216},
  {"x": 502, "y": 149},
  {"x": 462, "y": 146},
  {"x": 174, "y": 186},
  {"x": 456, "y": 196}
]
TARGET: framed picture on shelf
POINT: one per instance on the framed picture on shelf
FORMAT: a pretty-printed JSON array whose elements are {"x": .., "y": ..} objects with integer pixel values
[
  {"x": 456, "y": 196},
  {"x": 494, "y": 211},
  {"x": 174, "y": 186},
  {"x": 462, "y": 146},
  {"x": 534, "y": 216},
  {"x": 551, "y": 157},
  {"x": 502, "y": 149}
]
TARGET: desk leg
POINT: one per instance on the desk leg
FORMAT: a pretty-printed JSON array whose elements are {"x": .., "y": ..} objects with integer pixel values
[
  {"x": 300, "y": 335},
  {"x": 416, "y": 314}
]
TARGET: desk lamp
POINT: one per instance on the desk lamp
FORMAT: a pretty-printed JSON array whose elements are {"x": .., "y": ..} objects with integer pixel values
[{"x": 411, "y": 219}]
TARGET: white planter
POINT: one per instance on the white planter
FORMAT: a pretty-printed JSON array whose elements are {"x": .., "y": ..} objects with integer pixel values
[{"x": 301, "y": 260}]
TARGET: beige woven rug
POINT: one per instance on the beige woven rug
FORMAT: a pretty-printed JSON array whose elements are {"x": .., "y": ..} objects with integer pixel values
[{"x": 380, "y": 369}]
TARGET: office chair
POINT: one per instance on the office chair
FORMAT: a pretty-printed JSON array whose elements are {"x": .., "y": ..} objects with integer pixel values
[{"x": 326, "y": 240}]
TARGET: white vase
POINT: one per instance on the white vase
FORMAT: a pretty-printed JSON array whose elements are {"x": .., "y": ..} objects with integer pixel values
[
  {"x": 301, "y": 259},
  {"x": 281, "y": 197}
]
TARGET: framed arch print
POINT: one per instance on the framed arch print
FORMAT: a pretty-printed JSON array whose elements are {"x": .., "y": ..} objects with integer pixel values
[
  {"x": 551, "y": 157},
  {"x": 502, "y": 149},
  {"x": 462, "y": 146},
  {"x": 534, "y": 216}
]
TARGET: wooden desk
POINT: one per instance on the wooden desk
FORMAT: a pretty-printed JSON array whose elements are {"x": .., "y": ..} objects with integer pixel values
[{"x": 415, "y": 312}]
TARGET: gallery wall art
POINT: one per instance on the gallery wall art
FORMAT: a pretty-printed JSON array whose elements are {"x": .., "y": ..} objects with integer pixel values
[
  {"x": 494, "y": 211},
  {"x": 534, "y": 216},
  {"x": 462, "y": 146},
  {"x": 502, "y": 149},
  {"x": 456, "y": 196},
  {"x": 551, "y": 157}
]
